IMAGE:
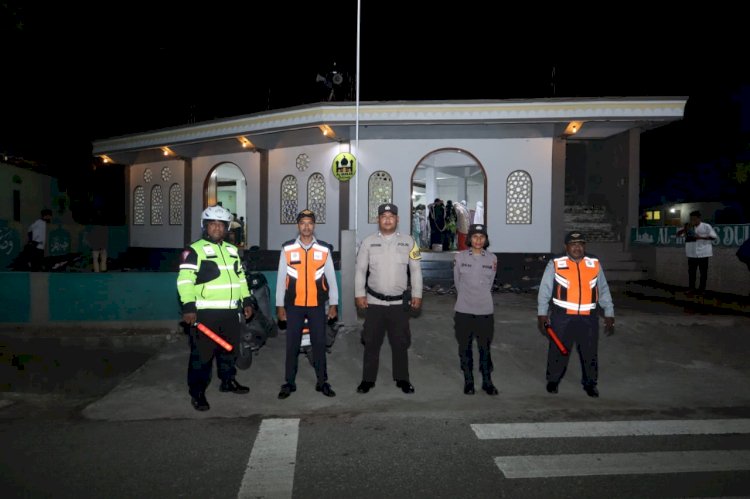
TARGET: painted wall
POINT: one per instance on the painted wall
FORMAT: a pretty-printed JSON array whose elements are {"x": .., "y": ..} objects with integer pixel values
[
  {"x": 726, "y": 273},
  {"x": 282, "y": 162},
  {"x": 35, "y": 190},
  {"x": 156, "y": 236},
  {"x": 249, "y": 163},
  {"x": 135, "y": 299},
  {"x": 498, "y": 158}
]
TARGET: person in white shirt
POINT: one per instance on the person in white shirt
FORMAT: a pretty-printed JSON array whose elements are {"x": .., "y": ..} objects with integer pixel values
[
  {"x": 37, "y": 233},
  {"x": 699, "y": 237}
]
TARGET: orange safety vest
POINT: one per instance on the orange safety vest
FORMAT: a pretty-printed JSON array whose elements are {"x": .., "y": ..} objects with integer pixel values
[
  {"x": 306, "y": 284},
  {"x": 576, "y": 289}
]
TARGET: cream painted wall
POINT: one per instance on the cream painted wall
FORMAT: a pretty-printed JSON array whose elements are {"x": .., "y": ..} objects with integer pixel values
[
  {"x": 249, "y": 163},
  {"x": 282, "y": 162},
  {"x": 498, "y": 157},
  {"x": 35, "y": 192},
  {"x": 156, "y": 236}
]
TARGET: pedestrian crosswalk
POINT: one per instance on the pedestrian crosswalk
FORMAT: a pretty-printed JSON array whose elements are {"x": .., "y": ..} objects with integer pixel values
[{"x": 568, "y": 465}]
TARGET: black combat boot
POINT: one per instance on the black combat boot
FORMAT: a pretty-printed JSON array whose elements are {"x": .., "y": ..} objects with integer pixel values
[
  {"x": 487, "y": 385},
  {"x": 468, "y": 382},
  {"x": 199, "y": 401}
]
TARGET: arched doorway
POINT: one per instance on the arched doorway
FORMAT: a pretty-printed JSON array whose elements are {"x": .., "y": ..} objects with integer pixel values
[
  {"x": 449, "y": 175},
  {"x": 225, "y": 184}
]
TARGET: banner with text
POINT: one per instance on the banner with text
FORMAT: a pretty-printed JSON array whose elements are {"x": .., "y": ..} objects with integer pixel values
[{"x": 729, "y": 235}]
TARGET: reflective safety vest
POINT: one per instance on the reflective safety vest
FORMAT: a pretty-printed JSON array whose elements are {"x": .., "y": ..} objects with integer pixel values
[
  {"x": 576, "y": 290},
  {"x": 211, "y": 277},
  {"x": 306, "y": 284}
]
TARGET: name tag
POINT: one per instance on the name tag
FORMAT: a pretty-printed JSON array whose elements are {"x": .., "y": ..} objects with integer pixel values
[
  {"x": 317, "y": 255},
  {"x": 590, "y": 264},
  {"x": 232, "y": 251},
  {"x": 209, "y": 251},
  {"x": 294, "y": 256},
  {"x": 562, "y": 264}
]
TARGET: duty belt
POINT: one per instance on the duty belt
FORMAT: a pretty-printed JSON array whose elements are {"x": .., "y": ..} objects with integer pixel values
[{"x": 383, "y": 297}]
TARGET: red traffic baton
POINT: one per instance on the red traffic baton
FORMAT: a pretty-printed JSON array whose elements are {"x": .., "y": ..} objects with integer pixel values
[
  {"x": 555, "y": 338},
  {"x": 218, "y": 339}
]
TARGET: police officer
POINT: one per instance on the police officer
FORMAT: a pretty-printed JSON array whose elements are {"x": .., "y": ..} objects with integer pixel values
[
  {"x": 306, "y": 280},
  {"x": 576, "y": 285},
  {"x": 212, "y": 287},
  {"x": 474, "y": 274},
  {"x": 383, "y": 294}
]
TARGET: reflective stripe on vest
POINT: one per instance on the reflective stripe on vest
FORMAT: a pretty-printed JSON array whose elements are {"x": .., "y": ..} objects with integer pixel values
[
  {"x": 305, "y": 274},
  {"x": 575, "y": 289}
]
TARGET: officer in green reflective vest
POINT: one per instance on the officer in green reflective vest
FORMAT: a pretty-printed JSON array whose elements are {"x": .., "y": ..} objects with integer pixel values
[{"x": 212, "y": 287}]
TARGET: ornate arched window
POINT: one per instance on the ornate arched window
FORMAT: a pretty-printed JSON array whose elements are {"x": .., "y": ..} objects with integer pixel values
[
  {"x": 175, "y": 204},
  {"x": 139, "y": 205},
  {"x": 379, "y": 191},
  {"x": 289, "y": 199},
  {"x": 157, "y": 203},
  {"x": 518, "y": 198},
  {"x": 316, "y": 197}
]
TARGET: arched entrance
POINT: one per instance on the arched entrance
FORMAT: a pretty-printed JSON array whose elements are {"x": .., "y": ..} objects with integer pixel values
[
  {"x": 455, "y": 178},
  {"x": 225, "y": 184}
]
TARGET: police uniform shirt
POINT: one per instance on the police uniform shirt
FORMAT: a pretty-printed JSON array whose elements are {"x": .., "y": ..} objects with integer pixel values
[
  {"x": 387, "y": 258},
  {"x": 547, "y": 285},
  {"x": 473, "y": 275}
]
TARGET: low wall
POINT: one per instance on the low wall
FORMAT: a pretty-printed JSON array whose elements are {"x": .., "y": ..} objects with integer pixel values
[
  {"x": 110, "y": 299},
  {"x": 726, "y": 274}
]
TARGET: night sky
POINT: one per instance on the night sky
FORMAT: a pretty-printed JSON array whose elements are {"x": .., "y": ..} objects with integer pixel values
[{"x": 129, "y": 66}]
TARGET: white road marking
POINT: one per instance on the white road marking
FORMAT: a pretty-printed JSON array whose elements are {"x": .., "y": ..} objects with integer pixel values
[
  {"x": 623, "y": 464},
  {"x": 611, "y": 428},
  {"x": 270, "y": 469}
]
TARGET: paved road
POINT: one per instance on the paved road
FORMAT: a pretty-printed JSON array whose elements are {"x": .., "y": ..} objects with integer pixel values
[{"x": 142, "y": 438}]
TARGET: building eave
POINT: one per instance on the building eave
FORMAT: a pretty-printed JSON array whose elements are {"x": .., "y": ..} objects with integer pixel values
[{"x": 304, "y": 120}]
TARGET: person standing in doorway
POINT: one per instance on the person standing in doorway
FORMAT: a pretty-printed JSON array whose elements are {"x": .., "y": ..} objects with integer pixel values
[
  {"x": 306, "y": 280},
  {"x": 213, "y": 289},
  {"x": 462, "y": 225},
  {"x": 37, "y": 234},
  {"x": 699, "y": 237},
  {"x": 576, "y": 286},
  {"x": 474, "y": 273},
  {"x": 388, "y": 257}
]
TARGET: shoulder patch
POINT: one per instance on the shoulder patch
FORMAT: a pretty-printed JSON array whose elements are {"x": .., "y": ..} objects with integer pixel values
[{"x": 415, "y": 254}]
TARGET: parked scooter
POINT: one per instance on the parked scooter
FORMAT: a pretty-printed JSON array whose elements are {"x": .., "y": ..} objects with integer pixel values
[{"x": 260, "y": 327}]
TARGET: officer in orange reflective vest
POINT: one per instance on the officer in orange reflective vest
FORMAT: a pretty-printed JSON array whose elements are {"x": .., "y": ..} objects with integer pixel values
[
  {"x": 305, "y": 281},
  {"x": 576, "y": 286}
]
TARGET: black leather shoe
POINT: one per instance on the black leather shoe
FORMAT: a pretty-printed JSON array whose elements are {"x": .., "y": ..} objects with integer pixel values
[
  {"x": 591, "y": 391},
  {"x": 231, "y": 385},
  {"x": 405, "y": 386},
  {"x": 469, "y": 388},
  {"x": 365, "y": 386},
  {"x": 489, "y": 388},
  {"x": 325, "y": 389},
  {"x": 552, "y": 387},
  {"x": 199, "y": 402},
  {"x": 286, "y": 390}
]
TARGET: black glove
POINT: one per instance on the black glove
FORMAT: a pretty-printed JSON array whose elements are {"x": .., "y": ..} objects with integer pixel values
[{"x": 281, "y": 324}]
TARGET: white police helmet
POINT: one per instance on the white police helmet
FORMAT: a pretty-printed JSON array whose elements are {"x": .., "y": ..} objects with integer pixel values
[{"x": 216, "y": 213}]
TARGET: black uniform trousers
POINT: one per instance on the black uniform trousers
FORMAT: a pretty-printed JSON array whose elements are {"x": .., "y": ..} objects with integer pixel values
[
  {"x": 316, "y": 321},
  {"x": 394, "y": 320},
  {"x": 225, "y": 323},
  {"x": 467, "y": 328},
  {"x": 583, "y": 330},
  {"x": 697, "y": 264}
]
